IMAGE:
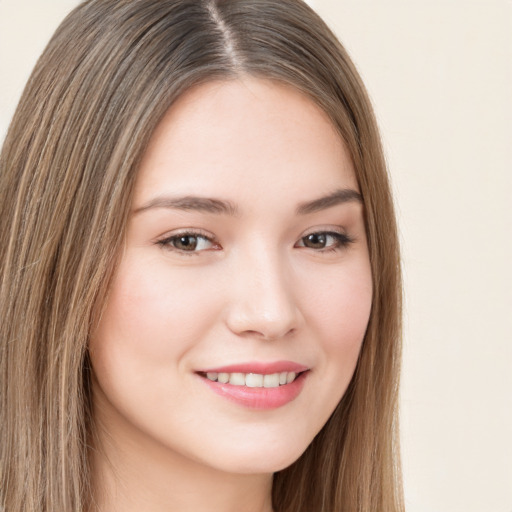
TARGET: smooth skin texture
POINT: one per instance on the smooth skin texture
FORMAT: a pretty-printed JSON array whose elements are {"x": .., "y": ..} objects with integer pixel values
[{"x": 268, "y": 262}]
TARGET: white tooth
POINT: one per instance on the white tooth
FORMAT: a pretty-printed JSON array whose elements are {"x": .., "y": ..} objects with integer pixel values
[
  {"x": 237, "y": 379},
  {"x": 223, "y": 378},
  {"x": 212, "y": 375},
  {"x": 282, "y": 377},
  {"x": 254, "y": 380},
  {"x": 290, "y": 377},
  {"x": 271, "y": 381}
]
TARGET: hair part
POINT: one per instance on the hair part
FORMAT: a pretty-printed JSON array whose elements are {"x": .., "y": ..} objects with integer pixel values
[{"x": 67, "y": 171}]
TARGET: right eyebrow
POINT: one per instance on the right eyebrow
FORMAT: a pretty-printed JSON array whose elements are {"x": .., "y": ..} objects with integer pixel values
[
  {"x": 201, "y": 204},
  {"x": 340, "y": 196}
]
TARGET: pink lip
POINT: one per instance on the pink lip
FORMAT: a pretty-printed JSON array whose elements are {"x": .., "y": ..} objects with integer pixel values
[
  {"x": 259, "y": 398},
  {"x": 259, "y": 367}
]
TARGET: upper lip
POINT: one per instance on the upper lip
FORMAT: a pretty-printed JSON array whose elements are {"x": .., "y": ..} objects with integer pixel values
[{"x": 262, "y": 368}]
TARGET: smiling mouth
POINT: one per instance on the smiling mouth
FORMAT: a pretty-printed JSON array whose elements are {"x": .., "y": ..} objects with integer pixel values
[
  {"x": 252, "y": 380},
  {"x": 257, "y": 391}
]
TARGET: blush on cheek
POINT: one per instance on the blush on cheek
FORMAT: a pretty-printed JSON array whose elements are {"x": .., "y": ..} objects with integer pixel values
[
  {"x": 155, "y": 312},
  {"x": 344, "y": 338},
  {"x": 346, "y": 313}
]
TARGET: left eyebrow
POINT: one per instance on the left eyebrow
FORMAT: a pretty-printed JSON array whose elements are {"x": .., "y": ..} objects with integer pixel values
[
  {"x": 187, "y": 203},
  {"x": 341, "y": 196}
]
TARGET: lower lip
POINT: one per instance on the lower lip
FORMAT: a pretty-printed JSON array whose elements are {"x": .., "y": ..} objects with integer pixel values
[{"x": 259, "y": 398}]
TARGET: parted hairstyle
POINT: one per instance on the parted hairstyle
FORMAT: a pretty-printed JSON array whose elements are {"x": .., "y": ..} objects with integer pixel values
[{"x": 67, "y": 171}]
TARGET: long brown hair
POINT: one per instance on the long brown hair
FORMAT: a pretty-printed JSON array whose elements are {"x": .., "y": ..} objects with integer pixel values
[{"x": 67, "y": 170}]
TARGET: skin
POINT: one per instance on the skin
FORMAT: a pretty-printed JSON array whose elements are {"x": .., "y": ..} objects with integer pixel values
[{"x": 255, "y": 288}]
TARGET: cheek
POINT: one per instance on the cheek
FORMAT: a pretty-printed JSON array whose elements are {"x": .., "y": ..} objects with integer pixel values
[
  {"x": 151, "y": 317},
  {"x": 341, "y": 308},
  {"x": 339, "y": 311},
  {"x": 349, "y": 313}
]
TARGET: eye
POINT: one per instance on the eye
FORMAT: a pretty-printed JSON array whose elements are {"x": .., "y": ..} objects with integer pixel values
[
  {"x": 323, "y": 240},
  {"x": 188, "y": 242}
]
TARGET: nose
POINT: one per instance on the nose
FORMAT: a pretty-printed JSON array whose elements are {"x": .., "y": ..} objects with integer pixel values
[{"x": 263, "y": 301}]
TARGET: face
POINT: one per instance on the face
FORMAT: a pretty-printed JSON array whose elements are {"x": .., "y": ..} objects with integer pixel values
[{"x": 241, "y": 298}]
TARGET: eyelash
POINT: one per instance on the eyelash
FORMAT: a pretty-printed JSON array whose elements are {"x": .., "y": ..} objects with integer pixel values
[
  {"x": 167, "y": 242},
  {"x": 341, "y": 241}
]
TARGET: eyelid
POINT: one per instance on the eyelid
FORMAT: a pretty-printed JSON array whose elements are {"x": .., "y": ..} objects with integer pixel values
[
  {"x": 327, "y": 230},
  {"x": 342, "y": 237},
  {"x": 165, "y": 240}
]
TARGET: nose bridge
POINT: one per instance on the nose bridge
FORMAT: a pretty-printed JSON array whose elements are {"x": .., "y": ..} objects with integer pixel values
[{"x": 264, "y": 302}]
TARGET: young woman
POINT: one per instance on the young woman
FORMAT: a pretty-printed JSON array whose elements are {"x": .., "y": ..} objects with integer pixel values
[{"x": 200, "y": 293}]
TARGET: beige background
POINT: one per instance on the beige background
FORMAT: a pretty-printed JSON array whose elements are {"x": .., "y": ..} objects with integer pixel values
[{"x": 440, "y": 75}]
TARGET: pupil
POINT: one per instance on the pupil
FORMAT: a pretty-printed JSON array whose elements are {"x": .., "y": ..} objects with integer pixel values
[
  {"x": 187, "y": 242},
  {"x": 316, "y": 241}
]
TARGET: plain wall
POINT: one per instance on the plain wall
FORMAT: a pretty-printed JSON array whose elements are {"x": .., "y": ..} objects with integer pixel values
[{"x": 440, "y": 76}]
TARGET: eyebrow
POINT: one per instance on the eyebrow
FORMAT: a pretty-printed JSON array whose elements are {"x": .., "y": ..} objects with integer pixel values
[
  {"x": 222, "y": 207},
  {"x": 201, "y": 204},
  {"x": 340, "y": 196}
]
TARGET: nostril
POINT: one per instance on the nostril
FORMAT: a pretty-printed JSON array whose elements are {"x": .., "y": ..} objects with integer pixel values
[
  {"x": 263, "y": 304},
  {"x": 267, "y": 335}
]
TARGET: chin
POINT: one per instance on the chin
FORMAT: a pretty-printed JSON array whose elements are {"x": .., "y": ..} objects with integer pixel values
[{"x": 268, "y": 459}]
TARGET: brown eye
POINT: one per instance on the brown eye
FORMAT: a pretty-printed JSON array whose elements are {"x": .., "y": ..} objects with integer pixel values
[
  {"x": 187, "y": 242},
  {"x": 324, "y": 240},
  {"x": 315, "y": 240}
]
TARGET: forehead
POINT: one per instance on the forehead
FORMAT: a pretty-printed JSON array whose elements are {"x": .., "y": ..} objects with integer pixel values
[{"x": 247, "y": 137}]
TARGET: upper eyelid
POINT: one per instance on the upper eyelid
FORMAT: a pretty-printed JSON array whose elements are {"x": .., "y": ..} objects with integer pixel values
[
  {"x": 336, "y": 234},
  {"x": 324, "y": 230},
  {"x": 212, "y": 238},
  {"x": 338, "y": 230},
  {"x": 166, "y": 242},
  {"x": 184, "y": 232}
]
